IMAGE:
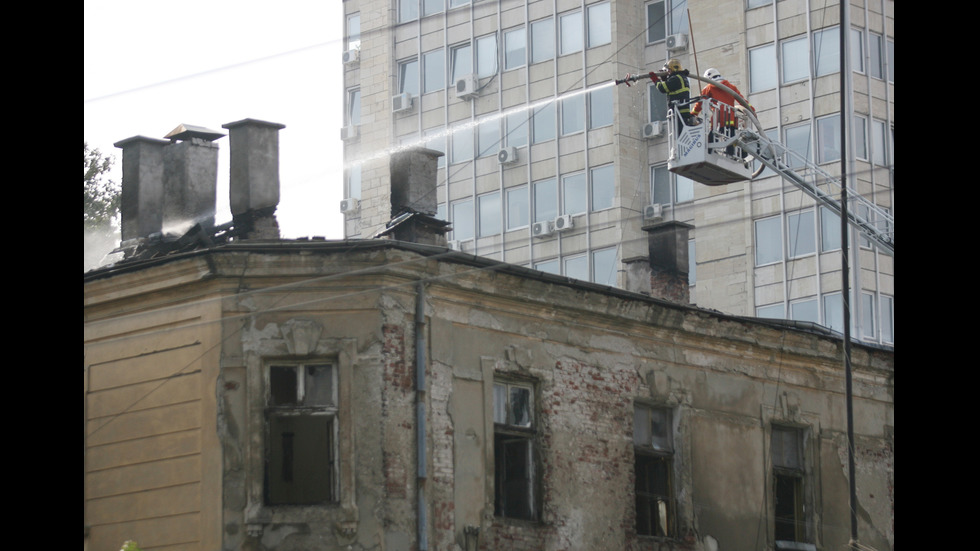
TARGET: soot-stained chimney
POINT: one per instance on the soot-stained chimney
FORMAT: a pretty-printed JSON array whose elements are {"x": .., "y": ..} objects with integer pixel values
[
  {"x": 190, "y": 178},
  {"x": 142, "y": 186},
  {"x": 254, "y": 177}
]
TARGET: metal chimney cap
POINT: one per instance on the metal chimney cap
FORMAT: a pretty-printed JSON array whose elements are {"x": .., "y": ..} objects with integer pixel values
[{"x": 187, "y": 131}]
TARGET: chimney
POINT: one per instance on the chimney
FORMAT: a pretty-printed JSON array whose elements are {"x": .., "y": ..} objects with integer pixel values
[
  {"x": 142, "y": 186},
  {"x": 664, "y": 273},
  {"x": 413, "y": 198},
  {"x": 190, "y": 178},
  {"x": 413, "y": 180},
  {"x": 254, "y": 175}
]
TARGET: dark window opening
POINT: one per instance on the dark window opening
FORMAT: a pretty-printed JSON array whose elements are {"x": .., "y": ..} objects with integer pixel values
[
  {"x": 788, "y": 508},
  {"x": 653, "y": 496},
  {"x": 786, "y": 447},
  {"x": 515, "y": 478},
  {"x": 300, "y": 447}
]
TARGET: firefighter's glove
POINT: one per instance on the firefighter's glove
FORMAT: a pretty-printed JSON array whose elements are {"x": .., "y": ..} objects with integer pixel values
[{"x": 654, "y": 77}]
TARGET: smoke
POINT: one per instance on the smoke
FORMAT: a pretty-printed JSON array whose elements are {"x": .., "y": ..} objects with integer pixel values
[{"x": 98, "y": 244}]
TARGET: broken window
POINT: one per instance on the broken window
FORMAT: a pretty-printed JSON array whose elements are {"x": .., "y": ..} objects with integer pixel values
[
  {"x": 301, "y": 434},
  {"x": 787, "y": 461},
  {"x": 515, "y": 477},
  {"x": 654, "y": 452}
]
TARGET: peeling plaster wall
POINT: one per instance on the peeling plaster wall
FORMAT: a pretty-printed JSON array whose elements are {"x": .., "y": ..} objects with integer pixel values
[{"x": 590, "y": 355}]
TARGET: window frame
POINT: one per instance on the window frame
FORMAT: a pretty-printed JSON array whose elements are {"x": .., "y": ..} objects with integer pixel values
[
  {"x": 295, "y": 411},
  {"x": 656, "y": 452},
  {"x": 517, "y": 435},
  {"x": 791, "y": 478}
]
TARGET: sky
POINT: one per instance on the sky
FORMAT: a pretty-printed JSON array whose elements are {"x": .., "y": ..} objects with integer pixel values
[{"x": 151, "y": 66}]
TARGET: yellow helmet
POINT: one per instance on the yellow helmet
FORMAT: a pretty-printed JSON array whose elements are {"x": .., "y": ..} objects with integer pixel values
[{"x": 673, "y": 66}]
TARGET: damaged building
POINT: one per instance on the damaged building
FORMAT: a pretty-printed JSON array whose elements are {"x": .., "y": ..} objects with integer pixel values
[{"x": 247, "y": 392}]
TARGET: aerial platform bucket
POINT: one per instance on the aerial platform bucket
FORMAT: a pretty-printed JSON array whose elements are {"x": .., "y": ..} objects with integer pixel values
[{"x": 692, "y": 156}]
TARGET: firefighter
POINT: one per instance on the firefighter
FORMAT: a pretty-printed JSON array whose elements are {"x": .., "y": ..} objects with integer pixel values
[
  {"x": 678, "y": 89},
  {"x": 725, "y": 119}
]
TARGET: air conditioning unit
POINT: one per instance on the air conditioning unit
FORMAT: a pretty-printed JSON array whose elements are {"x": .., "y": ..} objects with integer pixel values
[
  {"x": 401, "y": 102},
  {"x": 466, "y": 87},
  {"x": 455, "y": 245},
  {"x": 677, "y": 42},
  {"x": 542, "y": 229},
  {"x": 352, "y": 55},
  {"x": 653, "y": 129},
  {"x": 653, "y": 213},
  {"x": 564, "y": 222},
  {"x": 348, "y": 132},
  {"x": 349, "y": 205},
  {"x": 507, "y": 155}
]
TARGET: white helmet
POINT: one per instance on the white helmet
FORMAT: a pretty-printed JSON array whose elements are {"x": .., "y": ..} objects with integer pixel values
[{"x": 712, "y": 74}]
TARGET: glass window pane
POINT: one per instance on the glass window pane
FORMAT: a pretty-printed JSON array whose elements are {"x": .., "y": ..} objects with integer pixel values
[
  {"x": 354, "y": 181},
  {"x": 488, "y": 137},
  {"x": 887, "y": 319},
  {"x": 802, "y": 238},
  {"x": 692, "y": 263},
  {"x": 656, "y": 22},
  {"x": 543, "y": 123},
  {"x": 408, "y": 10},
  {"x": 660, "y": 429},
  {"x": 577, "y": 267},
  {"x": 548, "y": 266},
  {"x": 545, "y": 200},
  {"x": 772, "y": 311},
  {"x": 517, "y": 127},
  {"x": 660, "y": 185},
  {"x": 828, "y": 139},
  {"x": 604, "y": 267},
  {"x": 489, "y": 219},
  {"x": 603, "y": 187},
  {"x": 805, "y": 310},
  {"x": 786, "y": 448},
  {"x": 878, "y": 142},
  {"x": 517, "y": 207},
  {"x": 641, "y": 426},
  {"x": 860, "y": 127},
  {"x": 520, "y": 406},
  {"x": 486, "y": 56},
  {"x": 875, "y": 54},
  {"x": 434, "y": 65},
  {"x": 658, "y": 104},
  {"x": 408, "y": 77},
  {"x": 857, "y": 50},
  {"x": 462, "y": 139},
  {"x": 796, "y": 59},
  {"x": 868, "y": 315},
  {"x": 354, "y": 107},
  {"x": 463, "y": 226},
  {"x": 826, "y": 51},
  {"x": 499, "y": 404},
  {"x": 798, "y": 141},
  {"x": 768, "y": 241},
  {"x": 573, "y": 115},
  {"x": 758, "y": 3},
  {"x": 678, "y": 17},
  {"x": 430, "y": 7},
  {"x": 318, "y": 386},
  {"x": 514, "y": 46},
  {"x": 574, "y": 194},
  {"x": 462, "y": 62},
  {"x": 829, "y": 230},
  {"x": 600, "y": 27},
  {"x": 684, "y": 188},
  {"x": 542, "y": 40},
  {"x": 283, "y": 386},
  {"x": 601, "y": 108},
  {"x": 833, "y": 312},
  {"x": 762, "y": 68},
  {"x": 891, "y": 61},
  {"x": 354, "y": 31},
  {"x": 570, "y": 27}
]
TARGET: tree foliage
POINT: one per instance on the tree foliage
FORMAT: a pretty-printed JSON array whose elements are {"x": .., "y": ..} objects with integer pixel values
[{"x": 102, "y": 195}]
